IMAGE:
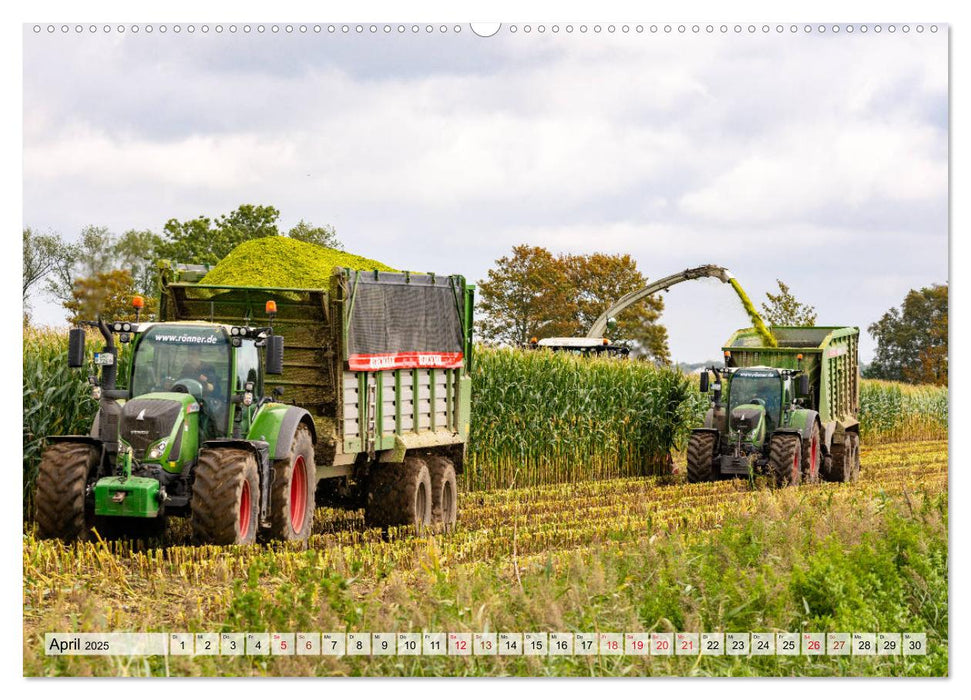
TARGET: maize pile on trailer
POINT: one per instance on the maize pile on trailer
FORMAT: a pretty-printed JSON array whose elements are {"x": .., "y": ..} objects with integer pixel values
[
  {"x": 789, "y": 411},
  {"x": 369, "y": 406}
]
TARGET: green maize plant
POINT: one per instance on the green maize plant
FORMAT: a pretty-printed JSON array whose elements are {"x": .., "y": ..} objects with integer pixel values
[
  {"x": 542, "y": 417},
  {"x": 895, "y": 412},
  {"x": 57, "y": 399}
]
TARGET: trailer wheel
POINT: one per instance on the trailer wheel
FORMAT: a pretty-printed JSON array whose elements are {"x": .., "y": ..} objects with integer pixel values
[
  {"x": 225, "y": 497},
  {"x": 399, "y": 494},
  {"x": 701, "y": 457},
  {"x": 811, "y": 456},
  {"x": 785, "y": 459},
  {"x": 62, "y": 477},
  {"x": 844, "y": 462},
  {"x": 292, "y": 492},
  {"x": 444, "y": 492}
]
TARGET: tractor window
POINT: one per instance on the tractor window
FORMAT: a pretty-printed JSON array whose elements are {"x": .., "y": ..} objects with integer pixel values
[
  {"x": 248, "y": 367},
  {"x": 766, "y": 390},
  {"x": 190, "y": 359}
]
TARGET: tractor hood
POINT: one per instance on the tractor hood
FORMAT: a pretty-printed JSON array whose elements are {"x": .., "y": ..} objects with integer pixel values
[{"x": 153, "y": 417}]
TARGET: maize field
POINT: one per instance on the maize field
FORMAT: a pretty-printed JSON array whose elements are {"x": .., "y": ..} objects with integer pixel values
[
  {"x": 537, "y": 417},
  {"x": 634, "y": 554}
]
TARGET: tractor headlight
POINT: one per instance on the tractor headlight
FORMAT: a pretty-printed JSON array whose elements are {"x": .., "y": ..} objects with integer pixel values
[{"x": 157, "y": 450}]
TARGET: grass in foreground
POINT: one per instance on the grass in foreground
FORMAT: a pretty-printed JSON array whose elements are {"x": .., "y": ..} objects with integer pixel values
[{"x": 624, "y": 555}]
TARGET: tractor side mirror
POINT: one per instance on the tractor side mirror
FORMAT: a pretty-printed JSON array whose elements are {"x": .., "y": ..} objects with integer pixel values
[
  {"x": 804, "y": 385},
  {"x": 611, "y": 324},
  {"x": 274, "y": 354},
  {"x": 703, "y": 382},
  {"x": 75, "y": 348}
]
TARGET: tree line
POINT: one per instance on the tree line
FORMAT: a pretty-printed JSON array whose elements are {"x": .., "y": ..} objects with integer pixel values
[
  {"x": 101, "y": 271},
  {"x": 530, "y": 293}
]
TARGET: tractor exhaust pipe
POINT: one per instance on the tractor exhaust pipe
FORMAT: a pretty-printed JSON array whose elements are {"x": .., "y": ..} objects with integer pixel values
[{"x": 109, "y": 373}]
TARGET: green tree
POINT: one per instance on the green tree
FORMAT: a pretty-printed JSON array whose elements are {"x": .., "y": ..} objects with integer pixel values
[
  {"x": 526, "y": 295},
  {"x": 137, "y": 251},
  {"x": 202, "y": 240},
  {"x": 107, "y": 294},
  {"x": 597, "y": 281},
  {"x": 912, "y": 340},
  {"x": 91, "y": 254},
  {"x": 42, "y": 254},
  {"x": 783, "y": 309},
  {"x": 325, "y": 236}
]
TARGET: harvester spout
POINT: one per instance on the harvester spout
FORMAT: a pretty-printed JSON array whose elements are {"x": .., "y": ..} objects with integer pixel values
[{"x": 600, "y": 325}]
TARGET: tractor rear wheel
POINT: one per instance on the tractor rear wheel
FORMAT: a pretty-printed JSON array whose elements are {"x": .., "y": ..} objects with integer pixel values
[
  {"x": 785, "y": 459},
  {"x": 62, "y": 478},
  {"x": 225, "y": 497},
  {"x": 701, "y": 457},
  {"x": 444, "y": 492},
  {"x": 812, "y": 456},
  {"x": 399, "y": 494},
  {"x": 292, "y": 492}
]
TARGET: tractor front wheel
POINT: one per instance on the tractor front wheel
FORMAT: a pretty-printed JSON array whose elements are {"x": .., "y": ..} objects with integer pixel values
[
  {"x": 785, "y": 459},
  {"x": 62, "y": 479},
  {"x": 225, "y": 497},
  {"x": 292, "y": 492},
  {"x": 701, "y": 457}
]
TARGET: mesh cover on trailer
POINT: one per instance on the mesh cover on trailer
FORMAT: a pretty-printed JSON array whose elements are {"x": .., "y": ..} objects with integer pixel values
[{"x": 401, "y": 319}]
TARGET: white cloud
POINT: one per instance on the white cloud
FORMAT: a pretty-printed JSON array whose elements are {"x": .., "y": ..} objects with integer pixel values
[{"x": 762, "y": 153}]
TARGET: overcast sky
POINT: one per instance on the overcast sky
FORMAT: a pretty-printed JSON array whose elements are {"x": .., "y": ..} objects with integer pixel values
[{"x": 818, "y": 159}]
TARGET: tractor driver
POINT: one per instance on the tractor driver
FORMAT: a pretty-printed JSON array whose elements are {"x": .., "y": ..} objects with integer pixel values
[{"x": 203, "y": 372}]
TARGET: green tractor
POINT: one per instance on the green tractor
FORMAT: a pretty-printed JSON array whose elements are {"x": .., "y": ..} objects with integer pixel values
[
  {"x": 192, "y": 435},
  {"x": 787, "y": 411}
]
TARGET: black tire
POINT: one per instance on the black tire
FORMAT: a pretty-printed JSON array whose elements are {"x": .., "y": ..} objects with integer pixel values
[
  {"x": 59, "y": 502},
  {"x": 701, "y": 457},
  {"x": 844, "y": 462},
  {"x": 812, "y": 456},
  {"x": 292, "y": 492},
  {"x": 785, "y": 459},
  {"x": 399, "y": 494},
  {"x": 225, "y": 497},
  {"x": 444, "y": 492}
]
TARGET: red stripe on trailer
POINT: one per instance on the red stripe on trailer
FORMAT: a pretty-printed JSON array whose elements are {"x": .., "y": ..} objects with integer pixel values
[{"x": 405, "y": 360}]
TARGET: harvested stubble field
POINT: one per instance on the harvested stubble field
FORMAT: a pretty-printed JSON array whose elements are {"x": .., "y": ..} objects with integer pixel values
[{"x": 623, "y": 555}]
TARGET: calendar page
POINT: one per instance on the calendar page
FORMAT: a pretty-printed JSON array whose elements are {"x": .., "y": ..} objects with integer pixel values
[{"x": 654, "y": 324}]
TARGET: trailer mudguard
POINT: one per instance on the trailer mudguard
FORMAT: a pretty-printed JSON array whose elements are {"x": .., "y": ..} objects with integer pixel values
[{"x": 277, "y": 423}]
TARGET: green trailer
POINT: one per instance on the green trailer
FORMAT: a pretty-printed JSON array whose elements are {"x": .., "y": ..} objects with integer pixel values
[
  {"x": 367, "y": 406},
  {"x": 788, "y": 411}
]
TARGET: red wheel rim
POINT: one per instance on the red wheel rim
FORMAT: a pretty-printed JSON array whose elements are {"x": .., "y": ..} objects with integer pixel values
[
  {"x": 298, "y": 494},
  {"x": 244, "y": 511}
]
